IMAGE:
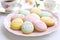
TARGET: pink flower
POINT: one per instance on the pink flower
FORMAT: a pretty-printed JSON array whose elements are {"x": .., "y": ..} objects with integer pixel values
[{"x": 6, "y": 5}]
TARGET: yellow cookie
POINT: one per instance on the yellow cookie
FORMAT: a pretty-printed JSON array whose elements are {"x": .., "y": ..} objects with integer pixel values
[
  {"x": 16, "y": 23},
  {"x": 35, "y": 10},
  {"x": 49, "y": 21}
]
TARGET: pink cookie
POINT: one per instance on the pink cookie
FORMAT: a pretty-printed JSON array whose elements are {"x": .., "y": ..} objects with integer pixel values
[
  {"x": 40, "y": 26},
  {"x": 32, "y": 18},
  {"x": 17, "y": 16},
  {"x": 35, "y": 16}
]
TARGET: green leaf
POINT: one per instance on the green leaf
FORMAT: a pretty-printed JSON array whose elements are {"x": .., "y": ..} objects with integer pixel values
[{"x": 37, "y": 4}]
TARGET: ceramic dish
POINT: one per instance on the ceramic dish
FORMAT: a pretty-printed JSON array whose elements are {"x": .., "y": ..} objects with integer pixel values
[{"x": 48, "y": 31}]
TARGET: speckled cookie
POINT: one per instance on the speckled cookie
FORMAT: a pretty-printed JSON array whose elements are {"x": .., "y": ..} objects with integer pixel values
[{"x": 27, "y": 27}]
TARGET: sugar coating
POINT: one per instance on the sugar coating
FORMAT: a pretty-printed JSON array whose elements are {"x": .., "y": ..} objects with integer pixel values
[
  {"x": 40, "y": 26},
  {"x": 16, "y": 23},
  {"x": 35, "y": 10},
  {"x": 49, "y": 21},
  {"x": 24, "y": 12},
  {"x": 32, "y": 18},
  {"x": 27, "y": 27},
  {"x": 45, "y": 13}
]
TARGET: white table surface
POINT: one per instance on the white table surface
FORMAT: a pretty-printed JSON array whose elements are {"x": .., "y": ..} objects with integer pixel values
[{"x": 5, "y": 35}]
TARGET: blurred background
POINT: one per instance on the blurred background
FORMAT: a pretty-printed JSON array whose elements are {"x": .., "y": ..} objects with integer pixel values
[{"x": 57, "y": 8}]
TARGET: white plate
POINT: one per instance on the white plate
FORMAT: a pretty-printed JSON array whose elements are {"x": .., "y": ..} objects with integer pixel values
[{"x": 7, "y": 23}]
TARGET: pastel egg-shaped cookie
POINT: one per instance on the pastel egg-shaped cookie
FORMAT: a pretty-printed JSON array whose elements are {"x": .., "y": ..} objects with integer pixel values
[
  {"x": 16, "y": 23},
  {"x": 45, "y": 13},
  {"x": 24, "y": 12},
  {"x": 32, "y": 18},
  {"x": 40, "y": 26},
  {"x": 35, "y": 16},
  {"x": 27, "y": 27},
  {"x": 17, "y": 16},
  {"x": 35, "y": 10},
  {"x": 49, "y": 21}
]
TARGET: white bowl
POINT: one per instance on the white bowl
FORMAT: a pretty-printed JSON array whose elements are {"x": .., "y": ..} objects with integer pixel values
[{"x": 7, "y": 22}]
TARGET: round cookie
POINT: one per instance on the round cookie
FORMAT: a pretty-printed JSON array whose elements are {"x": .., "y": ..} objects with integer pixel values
[
  {"x": 24, "y": 12},
  {"x": 49, "y": 21},
  {"x": 16, "y": 23},
  {"x": 27, "y": 27},
  {"x": 40, "y": 26},
  {"x": 45, "y": 13},
  {"x": 35, "y": 10}
]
